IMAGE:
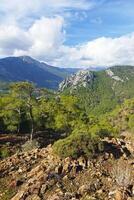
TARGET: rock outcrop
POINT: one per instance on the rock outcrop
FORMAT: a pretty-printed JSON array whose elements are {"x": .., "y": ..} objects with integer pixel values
[
  {"x": 41, "y": 175},
  {"x": 113, "y": 76},
  {"x": 81, "y": 78}
]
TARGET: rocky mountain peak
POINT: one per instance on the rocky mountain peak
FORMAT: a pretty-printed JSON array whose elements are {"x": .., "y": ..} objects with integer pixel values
[
  {"x": 28, "y": 59},
  {"x": 81, "y": 79}
]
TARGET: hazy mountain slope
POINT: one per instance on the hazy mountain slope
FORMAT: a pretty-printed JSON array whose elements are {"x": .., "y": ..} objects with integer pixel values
[
  {"x": 101, "y": 91},
  {"x": 62, "y": 72},
  {"x": 26, "y": 68}
]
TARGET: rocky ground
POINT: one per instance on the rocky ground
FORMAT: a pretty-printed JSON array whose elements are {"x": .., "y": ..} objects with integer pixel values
[{"x": 41, "y": 175}]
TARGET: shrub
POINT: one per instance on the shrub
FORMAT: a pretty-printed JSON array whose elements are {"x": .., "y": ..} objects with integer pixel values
[
  {"x": 105, "y": 129},
  {"x": 76, "y": 145},
  {"x": 4, "y": 152},
  {"x": 9, "y": 193},
  {"x": 84, "y": 140},
  {"x": 30, "y": 145}
]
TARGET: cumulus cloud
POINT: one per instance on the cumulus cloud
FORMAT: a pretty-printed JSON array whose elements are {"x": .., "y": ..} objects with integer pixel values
[
  {"x": 44, "y": 36},
  {"x": 14, "y": 11},
  {"x": 102, "y": 51},
  {"x": 44, "y": 40},
  {"x": 47, "y": 35},
  {"x": 109, "y": 51},
  {"x": 12, "y": 38}
]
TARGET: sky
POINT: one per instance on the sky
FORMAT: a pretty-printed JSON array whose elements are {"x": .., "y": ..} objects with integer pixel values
[{"x": 69, "y": 33}]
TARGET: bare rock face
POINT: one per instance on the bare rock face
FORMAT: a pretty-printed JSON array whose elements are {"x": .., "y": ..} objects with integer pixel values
[
  {"x": 81, "y": 79},
  {"x": 113, "y": 76}
]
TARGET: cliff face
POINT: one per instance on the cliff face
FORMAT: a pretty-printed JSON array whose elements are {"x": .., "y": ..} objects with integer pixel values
[{"x": 81, "y": 79}]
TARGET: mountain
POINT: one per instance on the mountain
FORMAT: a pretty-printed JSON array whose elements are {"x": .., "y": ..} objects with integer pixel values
[
  {"x": 101, "y": 91},
  {"x": 25, "y": 68}
]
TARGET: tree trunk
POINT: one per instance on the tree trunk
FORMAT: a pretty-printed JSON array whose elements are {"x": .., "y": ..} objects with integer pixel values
[
  {"x": 18, "y": 129},
  {"x": 32, "y": 130},
  {"x": 32, "y": 123}
]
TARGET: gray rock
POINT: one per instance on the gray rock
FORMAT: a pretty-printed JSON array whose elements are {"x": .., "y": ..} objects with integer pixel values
[
  {"x": 44, "y": 187},
  {"x": 81, "y": 78}
]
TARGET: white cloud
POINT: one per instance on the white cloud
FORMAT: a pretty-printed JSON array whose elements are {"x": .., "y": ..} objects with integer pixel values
[
  {"x": 44, "y": 37},
  {"x": 99, "y": 52},
  {"x": 12, "y": 38},
  {"x": 41, "y": 40},
  {"x": 14, "y": 11},
  {"x": 47, "y": 35},
  {"x": 44, "y": 40},
  {"x": 109, "y": 51}
]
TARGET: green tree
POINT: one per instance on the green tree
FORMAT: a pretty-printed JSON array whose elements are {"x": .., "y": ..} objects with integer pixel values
[
  {"x": 25, "y": 91},
  {"x": 67, "y": 111},
  {"x": 11, "y": 112}
]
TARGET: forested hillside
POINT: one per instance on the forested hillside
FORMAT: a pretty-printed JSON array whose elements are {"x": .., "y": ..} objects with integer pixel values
[
  {"x": 83, "y": 149},
  {"x": 80, "y": 135},
  {"x": 100, "y": 92},
  {"x": 27, "y": 109}
]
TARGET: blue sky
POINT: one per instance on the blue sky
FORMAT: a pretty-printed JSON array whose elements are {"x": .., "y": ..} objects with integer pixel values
[
  {"x": 109, "y": 18},
  {"x": 69, "y": 33}
]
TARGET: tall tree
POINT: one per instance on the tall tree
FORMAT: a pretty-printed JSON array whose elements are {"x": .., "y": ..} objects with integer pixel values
[{"x": 26, "y": 93}]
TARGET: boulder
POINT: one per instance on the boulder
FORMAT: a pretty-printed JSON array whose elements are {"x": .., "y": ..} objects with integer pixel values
[
  {"x": 55, "y": 197},
  {"x": 44, "y": 188},
  {"x": 84, "y": 189},
  {"x": 118, "y": 195},
  {"x": 18, "y": 196}
]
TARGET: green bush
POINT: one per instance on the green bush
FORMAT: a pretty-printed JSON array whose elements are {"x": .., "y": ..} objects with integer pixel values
[
  {"x": 4, "y": 152},
  {"x": 104, "y": 129},
  {"x": 76, "y": 145},
  {"x": 84, "y": 140},
  {"x": 9, "y": 193},
  {"x": 30, "y": 145}
]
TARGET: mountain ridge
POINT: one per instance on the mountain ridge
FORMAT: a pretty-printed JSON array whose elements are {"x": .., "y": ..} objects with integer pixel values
[
  {"x": 102, "y": 90},
  {"x": 25, "y": 68}
]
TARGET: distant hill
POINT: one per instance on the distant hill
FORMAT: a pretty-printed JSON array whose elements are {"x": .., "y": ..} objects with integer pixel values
[
  {"x": 101, "y": 91},
  {"x": 25, "y": 68}
]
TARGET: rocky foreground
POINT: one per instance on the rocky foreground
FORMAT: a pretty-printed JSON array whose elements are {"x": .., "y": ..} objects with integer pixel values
[{"x": 41, "y": 175}]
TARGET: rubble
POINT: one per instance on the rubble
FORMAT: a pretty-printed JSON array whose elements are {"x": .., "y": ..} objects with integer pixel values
[{"x": 41, "y": 175}]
